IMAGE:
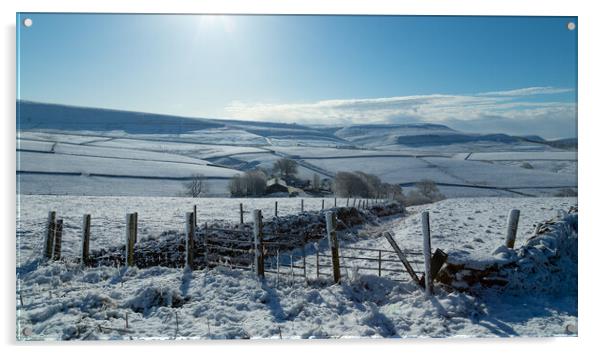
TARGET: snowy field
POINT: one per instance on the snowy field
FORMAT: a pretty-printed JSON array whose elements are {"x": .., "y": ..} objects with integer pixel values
[
  {"x": 222, "y": 303},
  {"x": 460, "y": 163}
]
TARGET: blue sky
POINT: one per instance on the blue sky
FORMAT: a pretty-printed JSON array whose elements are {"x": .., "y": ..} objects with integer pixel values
[{"x": 484, "y": 74}]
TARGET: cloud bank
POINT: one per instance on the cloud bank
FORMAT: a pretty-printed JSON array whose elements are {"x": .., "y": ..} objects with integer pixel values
[{"x": 520, "y": 111}]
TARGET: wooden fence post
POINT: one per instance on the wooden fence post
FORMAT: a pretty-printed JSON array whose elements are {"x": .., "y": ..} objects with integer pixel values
[
  {"x": 347, "y": 205},
  {"x": 354, "y": 199},
  {"x": 301, "y": 205},
  {"x": 130, "y": 232},
  {"x": 335, "y": 202},
  {"x": 86, "y": 239},
  {"x": 512, "y": 227},
  {"x": 241, "y": 217},
  {"x": 58, "y": 237},
  {"x": 276, "y": 208},
  {"x": 334, "y": 245},
  {"x": 195, "y": 219},
  {"x": 50, "y": 225},
  {"x": 190, "y": 240},
  {"x": 426, "y": 249},
  {"x": 205, "y": 245},
  {"x": 258, "y": 241},
  {"x": 135, "y": 227},
  {"x": 322, "y": 204}
]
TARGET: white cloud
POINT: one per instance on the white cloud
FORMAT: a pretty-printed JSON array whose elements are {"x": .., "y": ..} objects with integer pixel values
[{"x": 499, "y": 106}]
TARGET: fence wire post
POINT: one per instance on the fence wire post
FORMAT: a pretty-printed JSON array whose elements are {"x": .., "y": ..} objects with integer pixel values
[
  {"x": 205, "y": 244},
  {"x": 426, "y": 237},
  {"x": 50, "y": 226},
  {"x": 276, "y": 208},
  {"x": 86, "y": 239},
  {"x": 258, "y": 240},
  {"x": 241, "y": 216},
  {"x": 334, "y": 245},
  {"x": 58, "y": 237},
  {"x": 190, "y": 240},
  {"x": 379, "y": 261},
  {"x": 335, "y": 202},
  {"x": 130, "y": 232}
]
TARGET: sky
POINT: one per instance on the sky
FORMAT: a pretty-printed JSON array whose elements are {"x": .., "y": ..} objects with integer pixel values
[{"x": 515, "y": 75}]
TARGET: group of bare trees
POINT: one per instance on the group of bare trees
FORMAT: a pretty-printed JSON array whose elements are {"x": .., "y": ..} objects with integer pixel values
[
  {"x": 250, "y": 184},
  {"x": 364, "y": 185}
]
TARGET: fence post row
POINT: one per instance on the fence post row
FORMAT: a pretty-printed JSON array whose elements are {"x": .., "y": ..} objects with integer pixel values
[
  {"x": 58, "y": 236},
  {"x": 426, "y": 249},
  {"x": 258, "y": 241},
  {"x": 334, "y": 245},
  {"x": 190, "y": 240},
  {"x": 130, "y": 234},
  {"x": 512, "y": 227},
  {"x": 86, "y": 239},
  {"x": 48, "y": 245}
]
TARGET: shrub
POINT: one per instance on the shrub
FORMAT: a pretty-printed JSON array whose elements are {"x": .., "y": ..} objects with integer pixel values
[
  {"x": 426, "y": 192},
  {"x": 251, "y": 183},
  {"x": 195, "y": 187}
]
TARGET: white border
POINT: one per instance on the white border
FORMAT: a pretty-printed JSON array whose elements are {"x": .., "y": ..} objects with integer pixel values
[{"x": 589, "y": 117}]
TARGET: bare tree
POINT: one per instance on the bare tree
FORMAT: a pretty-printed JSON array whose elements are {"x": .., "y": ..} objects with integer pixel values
[
  {"x": 195, "y": 187},
  {"x": 285, "y": 167}
]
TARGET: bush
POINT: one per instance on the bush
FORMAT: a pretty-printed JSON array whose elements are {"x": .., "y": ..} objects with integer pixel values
[
  {"x": 426, "y": 192},
  {"x": 526, "y": 165}
]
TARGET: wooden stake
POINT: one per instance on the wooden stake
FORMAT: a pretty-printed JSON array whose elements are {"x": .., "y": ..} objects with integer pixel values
[
  {"x": 277, "y": 267},
  {"x": 135, "y": 227},
  {"x": 335, "y": 202},
  {"x": 322, "y": 204},
  {"x": 195, "y": 219},
  {"x": 130, "y": 233},
  {"x": 58, "y": 236},
  {"x": 205, "y": 245},
  {"x": 190, "y": 240},
  {"x": 258, "y": 241},
  {"x": 426, "y": 249},
  {"x": 276, "y": 208},
  {"x": 317, "y": 264},
  {"x": 50, "y": 225},
  {"x": 512, "y": 227},
  {"x": 334, "y": 245},
  {"x": 241, "y": 217},
  {"x": 86, "y": 240},
  {"x": 347, "y": 205},
  {"x": 301, "y": 205}
]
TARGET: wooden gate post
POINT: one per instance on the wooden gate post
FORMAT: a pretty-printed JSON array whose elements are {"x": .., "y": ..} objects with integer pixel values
[
  {"x": 58, "y": 237},
  {"x": 86, "y": 240},
  {"x": 334, "y": 245},
  {"x": 130, "y": 232},
  {"x": 241, "y": 217},
  {"x": 258, "y": 241},
  {"x": 50, "y": 225},
  {"x": 512, "y": 227},
  {"x": 426, "y": 249},
  {"x": 190, "y": 240}
]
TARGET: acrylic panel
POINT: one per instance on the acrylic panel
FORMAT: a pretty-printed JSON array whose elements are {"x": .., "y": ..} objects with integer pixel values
[{"x": 295, "y": 177}]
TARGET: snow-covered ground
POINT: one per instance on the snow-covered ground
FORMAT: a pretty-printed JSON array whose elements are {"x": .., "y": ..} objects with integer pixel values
[{"x": 61, "y": 300}]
